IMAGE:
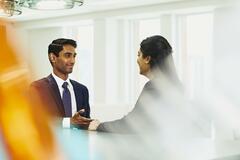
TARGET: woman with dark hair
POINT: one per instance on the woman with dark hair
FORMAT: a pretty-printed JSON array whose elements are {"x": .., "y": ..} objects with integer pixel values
[
  {"x": 156, "y": 63},
  {"x": 155, "y": 57}
]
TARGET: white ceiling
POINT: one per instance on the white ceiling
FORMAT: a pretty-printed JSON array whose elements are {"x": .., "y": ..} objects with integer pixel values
[{"x": 89, "y": 6}]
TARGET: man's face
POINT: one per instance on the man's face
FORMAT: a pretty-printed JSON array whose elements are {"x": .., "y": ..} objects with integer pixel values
[
  {"x": 143, "y": 63},
  {"x": 65, "y": 61}
]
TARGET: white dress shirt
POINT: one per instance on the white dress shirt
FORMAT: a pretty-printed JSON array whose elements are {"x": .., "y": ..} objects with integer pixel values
[{"x": 66, "y": 121}]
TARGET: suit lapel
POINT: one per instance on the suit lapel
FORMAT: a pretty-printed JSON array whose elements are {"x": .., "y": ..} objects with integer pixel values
[
  {"x": 76, "y": 94},
  {"x": 55, "y": 93}
]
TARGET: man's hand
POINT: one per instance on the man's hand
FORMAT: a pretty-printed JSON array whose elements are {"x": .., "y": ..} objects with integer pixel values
[{"x": 80, "y": 122}]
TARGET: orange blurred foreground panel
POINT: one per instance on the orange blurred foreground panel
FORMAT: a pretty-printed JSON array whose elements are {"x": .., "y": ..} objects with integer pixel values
[{"x": 25, "y": 129}]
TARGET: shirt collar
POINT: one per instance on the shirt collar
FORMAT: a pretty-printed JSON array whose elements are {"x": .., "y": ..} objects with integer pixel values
[{"x": 59, "y": 80}]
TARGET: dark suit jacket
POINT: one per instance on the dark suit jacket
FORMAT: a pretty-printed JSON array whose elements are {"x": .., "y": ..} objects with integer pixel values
[
  {"x": 160, "y": 109},
  {"x": 138, "y": 119},
  {"x": 50, "y": 97}
]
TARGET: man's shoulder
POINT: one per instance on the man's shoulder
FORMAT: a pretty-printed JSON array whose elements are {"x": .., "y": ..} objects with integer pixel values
[
  {"x": 40, "y": 82},
  {"x": 77, "y": 84}
]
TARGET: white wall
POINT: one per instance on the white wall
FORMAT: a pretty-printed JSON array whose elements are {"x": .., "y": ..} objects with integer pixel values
[
  {"x": 39, "y": 39},
  {"x": 226, "y": 74},
  {"x": 99, "y": 61}
]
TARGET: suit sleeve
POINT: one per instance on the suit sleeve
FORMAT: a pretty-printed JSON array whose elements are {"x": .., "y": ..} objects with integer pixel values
[
  {"x": 117, "y": 126},
  {"x": 87, "y": 106},
  {"x": 134, "y": 122}
]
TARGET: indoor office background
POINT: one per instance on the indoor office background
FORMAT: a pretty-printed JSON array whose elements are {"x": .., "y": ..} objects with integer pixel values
[
  {"x": 108, "y": 45},
  {"x": 108, "y": 41}
]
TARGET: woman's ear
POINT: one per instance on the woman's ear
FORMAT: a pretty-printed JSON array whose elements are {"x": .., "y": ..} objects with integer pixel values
[{"x": 147, "y": 59}]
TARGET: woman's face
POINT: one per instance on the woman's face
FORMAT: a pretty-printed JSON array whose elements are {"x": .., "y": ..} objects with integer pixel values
[{"x": 143, "y": 63}]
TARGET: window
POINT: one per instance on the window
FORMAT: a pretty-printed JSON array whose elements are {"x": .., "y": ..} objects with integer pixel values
[
  {"x": 191, "y": 38},
  {"x": 195, "y": 52},
  {"x": 146, "y": 28},
  {"x": 83, "y": 70}
]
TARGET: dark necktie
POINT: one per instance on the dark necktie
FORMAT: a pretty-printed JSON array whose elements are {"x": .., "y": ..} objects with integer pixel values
[{"x": 66, "y": 98}]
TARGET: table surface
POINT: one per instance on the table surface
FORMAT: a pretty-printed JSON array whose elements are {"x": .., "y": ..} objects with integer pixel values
[{"x": 89, "y": 145}]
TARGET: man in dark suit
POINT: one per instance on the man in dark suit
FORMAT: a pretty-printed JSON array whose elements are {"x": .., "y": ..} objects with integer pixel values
[{"x": 63, "y": 98}]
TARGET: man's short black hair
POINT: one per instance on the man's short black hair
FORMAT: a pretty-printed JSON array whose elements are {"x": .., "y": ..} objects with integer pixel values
[{"x": 57, "y": 45}]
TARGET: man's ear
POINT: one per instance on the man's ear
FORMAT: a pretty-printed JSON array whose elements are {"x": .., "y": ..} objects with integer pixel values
[
  {"x": 147, "y": 59},
  {"x": 52, "y": 57}
]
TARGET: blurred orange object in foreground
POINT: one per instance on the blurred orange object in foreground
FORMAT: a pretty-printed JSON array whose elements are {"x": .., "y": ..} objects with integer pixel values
[{"x": 25, "y": 129}]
